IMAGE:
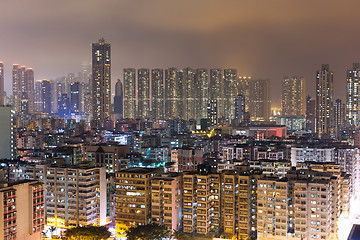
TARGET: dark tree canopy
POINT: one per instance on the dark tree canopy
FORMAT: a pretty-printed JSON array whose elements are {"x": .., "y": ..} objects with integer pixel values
[
  {"x": 88, "y": 233},
  {"x": 148, "y": 232}
]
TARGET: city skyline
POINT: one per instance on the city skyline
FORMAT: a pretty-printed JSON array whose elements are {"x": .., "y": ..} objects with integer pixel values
[{"x": 138, "y": 42}]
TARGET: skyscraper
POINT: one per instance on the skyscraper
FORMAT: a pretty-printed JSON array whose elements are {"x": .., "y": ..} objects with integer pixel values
[
  {"x": 353, "y": 96},
  {"x": 75, "y": 99},
  {"x": 2, "y": 97},
  {"x": 216, "y": 91},
  {"x": 339, "y": 117},
  {"x": 259, "y": 100},
  {"x": 324, "y": 101},
  {"x": 201, "y": 94},
  {"x": 158, "y": 97},
  {"x": 293, "y": 96},
  {"x": 310, "y": 114},
  {"x": 37, "y": 103},
  {"x": 46, "y": 96},
  {"x": 101, "y": 80},
  {"x": 63, "y": 105},
  {"x": 173, "y": 93},
  {"x": 130, "y": 93},
  {"x": 188, "y": 93},
  {"x": 243, "y": 89},
  {"x": 118, "y": 100},
  {"x": 230, "y": 93},
  {"x": 240, "y": 109},
  {"x": 23, "y": 90},
  {"x": 143, "y": 81},
  {"x": 16, "y": 87}
]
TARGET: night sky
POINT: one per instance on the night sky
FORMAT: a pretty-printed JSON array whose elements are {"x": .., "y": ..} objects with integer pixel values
[{"x": 263, "y": 39}]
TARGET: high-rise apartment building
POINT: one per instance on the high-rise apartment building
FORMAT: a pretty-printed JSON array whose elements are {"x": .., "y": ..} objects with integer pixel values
[
  {"x": 2, "y": 93},
  {"x": 54, "y": 96},
  {"x": 293, "y": 96},
  {"x": 259, "y": 100},
  {"x": 201, "y": 203},
  {"x": 166, "y": 200},
  {"x": 75, "y": 98},
  {"x": 143, "y": 83},
  {"x": 223, "y": 202},
  {"x": 324, "y": 101},
  {"x": 130, "y": 110},
  {"x": 75, "y": 195},
  {"x": 157, "y": 94},
  {"x": 230, "y": 93},
  {"x": 243, "y": 89},
  {"x": 299, "y": 206},
  {"x": 118, "y": 100},
  {"x": 216, "y": 90},
  {"x": 22, "y": 210},
  {"x": 353, "y": 96},
  {"x": 339, "y": 117},
  {"x": 188, "y": 98},
  {"x": 45, "y": 96},
  {"x": 63, "y": 105},
  {"x": 240, "y": 109},
  {"x": 101, "y": 80},
  {"x": 23, "y": 90},
  {"x": 133, "y": 198},
  {"x": 173, "y": 93},
  {"x": 310, "y": 114},
  {"x": 201, "y": 93}
]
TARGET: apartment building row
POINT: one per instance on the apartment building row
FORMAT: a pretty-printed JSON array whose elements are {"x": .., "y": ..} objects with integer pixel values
[
  {"x": 74, "y": 195},
  {"x": 345, "y": 156},
  {"x": 302, "y": 205}
]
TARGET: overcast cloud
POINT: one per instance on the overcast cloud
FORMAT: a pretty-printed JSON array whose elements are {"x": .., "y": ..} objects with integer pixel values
[{"x": 263, "y": 39}]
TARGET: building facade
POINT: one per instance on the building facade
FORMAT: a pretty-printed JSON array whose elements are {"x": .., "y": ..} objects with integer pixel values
[
  {"x": 101, "y": 81},
  {"x": 293, "y": 96},
  {"x": 324, "y": 101},
  {"x": 22, "y": 210}
]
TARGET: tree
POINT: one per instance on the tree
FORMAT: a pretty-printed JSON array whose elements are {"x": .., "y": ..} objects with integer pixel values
[
  {"x": 148, "y": 232},
  {"x": 180, "y": 235},
  {"x": 87, "y": 233}
]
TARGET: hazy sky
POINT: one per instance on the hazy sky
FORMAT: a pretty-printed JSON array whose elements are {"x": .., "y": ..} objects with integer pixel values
[{"x": 261, "y": 38}]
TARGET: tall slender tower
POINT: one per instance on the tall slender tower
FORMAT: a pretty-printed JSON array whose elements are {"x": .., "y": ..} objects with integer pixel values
[
  {"x": 324, "y": 101},
  {"x": 118, "y": 100},
  {"x": 45, "y": 96},
  {"x": 243, "y": 89},
  {"x": 189, "y": 94},
  {"x": 23, "y": 90},
  {"x": 173, "y": 93},
  {"x": 201, "y": 93},
  {"x": 293, "y": 96},
  {"x": 230, "y": 93},
  {"x": 75, "y": 99},
  {"x": 101, "y": 80},
  {"x": 157, "y": 93},
  {"x": 353, "y": 96},
  {"x": 2, "y": 97},
  {"x": 16, "y": 87},
  {"x": 130, "y": 93},
  {"x": 259, "y": 100},
  {"x": 143, "y": 92},
  {"x": 216, "y": 91},
  {"x": 310, "y": 114},
  {"x": 339, "y": 117}
]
